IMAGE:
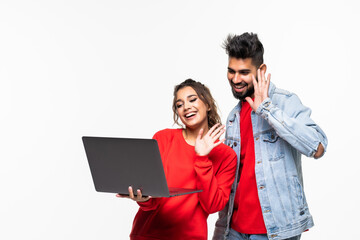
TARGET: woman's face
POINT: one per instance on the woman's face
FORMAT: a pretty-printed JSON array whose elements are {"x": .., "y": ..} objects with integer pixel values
[{"x": 191, "y": 109}]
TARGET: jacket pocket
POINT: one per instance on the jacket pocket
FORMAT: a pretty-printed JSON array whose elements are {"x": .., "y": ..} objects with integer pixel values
[
  {"x": 299, "y": 193},
  {"x": 274, "y": 145}
]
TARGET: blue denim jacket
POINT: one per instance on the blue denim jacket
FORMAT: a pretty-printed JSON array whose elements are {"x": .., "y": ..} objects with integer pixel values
[{"x": 283, "y": 130}]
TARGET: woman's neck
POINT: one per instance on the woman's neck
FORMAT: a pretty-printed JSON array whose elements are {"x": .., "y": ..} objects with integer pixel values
[{"x": 190, "y": 135}]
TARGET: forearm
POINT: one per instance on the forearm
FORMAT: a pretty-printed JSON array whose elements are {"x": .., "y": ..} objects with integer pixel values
[
  {"x": 216, "y": 189},
  {"x": 149, "y": 205},
  {"x": 298, "y": 129}
]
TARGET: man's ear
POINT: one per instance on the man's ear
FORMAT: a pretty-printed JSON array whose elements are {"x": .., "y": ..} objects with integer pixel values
[{"x": 263, "y": 68}]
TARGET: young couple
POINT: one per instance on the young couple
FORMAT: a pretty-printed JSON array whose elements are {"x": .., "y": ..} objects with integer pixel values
[{"x": 254, "y": 179}]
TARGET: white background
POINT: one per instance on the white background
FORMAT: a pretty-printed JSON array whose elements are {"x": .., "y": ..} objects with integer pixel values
[{"x": 108, "y": 68}]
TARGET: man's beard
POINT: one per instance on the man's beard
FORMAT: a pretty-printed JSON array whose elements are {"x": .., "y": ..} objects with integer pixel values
[{"x": 242, "y": 96}]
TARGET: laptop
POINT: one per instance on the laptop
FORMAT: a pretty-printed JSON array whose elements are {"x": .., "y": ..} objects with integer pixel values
[{"x": 117, "y": 163}]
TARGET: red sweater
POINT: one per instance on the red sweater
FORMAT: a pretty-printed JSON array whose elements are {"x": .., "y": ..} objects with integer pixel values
[
  {"x": 247, "y": 216},
  {"x": 184, "y": 217}
]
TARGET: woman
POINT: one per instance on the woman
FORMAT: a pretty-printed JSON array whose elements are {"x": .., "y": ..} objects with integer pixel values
[{"x": 193, "y": 157}]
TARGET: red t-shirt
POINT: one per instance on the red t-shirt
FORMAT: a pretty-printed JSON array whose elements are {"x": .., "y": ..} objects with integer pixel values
[
  {"x": 247, "y": 217},
  {"x": 184, "y": 217}
]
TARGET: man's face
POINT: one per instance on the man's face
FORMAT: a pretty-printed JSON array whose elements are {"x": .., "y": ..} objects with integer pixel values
[{"x": 239, "y": 74}]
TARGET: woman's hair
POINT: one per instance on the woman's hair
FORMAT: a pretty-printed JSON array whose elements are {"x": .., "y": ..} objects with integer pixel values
[{"x": 204, "y": 94}]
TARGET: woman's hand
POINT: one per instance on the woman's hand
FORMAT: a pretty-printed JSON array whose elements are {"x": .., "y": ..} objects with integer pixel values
[
  {"x": 204, "y": 144},
  {"x": 137, "y": 198}
]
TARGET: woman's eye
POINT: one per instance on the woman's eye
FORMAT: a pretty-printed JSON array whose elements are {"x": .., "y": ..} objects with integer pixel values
[
  {"x": 193, "y": 100},
  {"x": 179, "y": 106}
]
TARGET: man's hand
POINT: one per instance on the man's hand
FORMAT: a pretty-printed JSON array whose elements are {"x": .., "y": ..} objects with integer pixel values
[
  {"x": 319, "y": 152},
  {"x": 137, "y": 198},
  {"x": 204, "y": 144},
  {"x": 261, "y": 89}
]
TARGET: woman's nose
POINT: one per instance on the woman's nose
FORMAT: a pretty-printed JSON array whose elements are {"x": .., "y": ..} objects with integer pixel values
[{"x": 187, "y": 105}]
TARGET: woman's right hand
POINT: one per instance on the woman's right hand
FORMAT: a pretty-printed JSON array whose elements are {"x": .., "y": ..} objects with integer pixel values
[
  {"x": 204, "y": 144},
  {"x": 137, "y": 198}
]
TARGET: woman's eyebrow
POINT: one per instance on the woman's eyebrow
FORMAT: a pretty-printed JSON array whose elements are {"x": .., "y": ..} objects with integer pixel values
[{"x": 192, "y": 95}]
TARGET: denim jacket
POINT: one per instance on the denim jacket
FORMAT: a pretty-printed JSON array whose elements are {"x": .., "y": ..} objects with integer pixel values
[{"x": 283, "y": 130}]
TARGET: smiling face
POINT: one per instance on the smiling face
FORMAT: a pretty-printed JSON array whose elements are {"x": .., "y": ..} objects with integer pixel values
[
  {"x": 239, "y": 74},
  {"x": 191, "y": 110}
]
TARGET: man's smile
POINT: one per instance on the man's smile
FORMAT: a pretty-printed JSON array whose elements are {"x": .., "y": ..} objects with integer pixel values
[{"x": 239, "y": 87}]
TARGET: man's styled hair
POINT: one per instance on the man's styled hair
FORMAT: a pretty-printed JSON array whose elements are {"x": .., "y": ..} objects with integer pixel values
[
  {"x": 204, "y": 94},
  {"x": 246, "y": 45}
]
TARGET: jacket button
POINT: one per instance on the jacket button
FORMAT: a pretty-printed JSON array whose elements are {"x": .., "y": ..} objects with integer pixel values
[
  {"x": 258, "y": 162},
  {"x": 266, "y": 211},
  {"x": 262, "y": 187},
  {"x": 235, "y": 144},
  {"x": 257, "y": 138},
  {"x": 273, "y": 235}
]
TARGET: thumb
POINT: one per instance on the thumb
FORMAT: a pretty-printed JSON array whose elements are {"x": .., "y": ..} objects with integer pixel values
[
  {"x": 250, "y": 101},
  {"x": 200, "y": 134}
]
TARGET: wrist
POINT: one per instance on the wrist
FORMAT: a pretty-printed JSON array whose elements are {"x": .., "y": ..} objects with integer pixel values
[
  {"x": 201, "y": 154},
  {"x": 264, "y": 106},
  {"x": 201, "y": 157}
]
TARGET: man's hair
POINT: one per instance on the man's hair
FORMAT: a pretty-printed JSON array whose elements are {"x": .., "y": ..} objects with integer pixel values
[
  {"x": 204, "y": 94},
  {"x": 246, "y": 45}
]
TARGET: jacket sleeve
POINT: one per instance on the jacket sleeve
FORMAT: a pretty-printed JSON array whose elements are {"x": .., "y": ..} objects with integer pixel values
[
  {"x": 221, "y": 224},
  {"x": 216, "y": 186},
  {"x": 292, "y": 123}
]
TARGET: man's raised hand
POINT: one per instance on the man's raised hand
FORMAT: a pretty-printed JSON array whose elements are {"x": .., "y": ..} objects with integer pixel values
[{"x": 261, "y": 88}]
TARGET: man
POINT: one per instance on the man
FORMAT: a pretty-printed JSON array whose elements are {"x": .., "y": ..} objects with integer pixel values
[{"x": 269, "y": 129}]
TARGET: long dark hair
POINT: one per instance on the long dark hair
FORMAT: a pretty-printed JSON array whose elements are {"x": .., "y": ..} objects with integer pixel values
[{"x": 204, "y": 94}]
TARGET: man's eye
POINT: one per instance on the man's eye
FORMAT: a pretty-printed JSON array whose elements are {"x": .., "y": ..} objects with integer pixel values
[
  {"x": 193, "y": 100},
  {"x": 230, "y": 71}
]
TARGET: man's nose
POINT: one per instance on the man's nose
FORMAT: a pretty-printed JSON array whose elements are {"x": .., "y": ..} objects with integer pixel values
[{"x": 237, "y": 78}]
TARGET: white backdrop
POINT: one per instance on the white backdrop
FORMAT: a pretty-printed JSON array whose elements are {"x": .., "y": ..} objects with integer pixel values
[{"x": 108, "y": 68}]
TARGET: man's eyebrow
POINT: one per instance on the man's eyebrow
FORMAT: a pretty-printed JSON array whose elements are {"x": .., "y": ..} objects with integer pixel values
[{"x": 241, "y": 70}]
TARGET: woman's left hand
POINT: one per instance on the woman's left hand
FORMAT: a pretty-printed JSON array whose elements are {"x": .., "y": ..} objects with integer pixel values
[
  {"x": 138, "y": 198},
  {"x": 204, "y": 144}
]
